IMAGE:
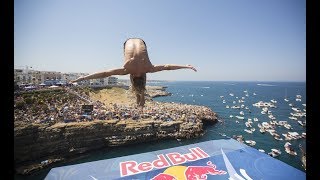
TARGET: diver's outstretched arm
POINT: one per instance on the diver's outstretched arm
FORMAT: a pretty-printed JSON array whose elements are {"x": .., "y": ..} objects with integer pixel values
[
  {"x": 157, "y": 68},
  {"x": 102, "y": 74}
]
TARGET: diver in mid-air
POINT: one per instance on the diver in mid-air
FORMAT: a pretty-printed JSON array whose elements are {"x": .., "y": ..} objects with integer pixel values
[{"x": 137, "y": 64}]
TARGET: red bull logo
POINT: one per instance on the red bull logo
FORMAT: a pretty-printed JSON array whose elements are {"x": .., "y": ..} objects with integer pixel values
[
  {"x": 128, "y": 168},
  {"x": 189, "y": 172}
]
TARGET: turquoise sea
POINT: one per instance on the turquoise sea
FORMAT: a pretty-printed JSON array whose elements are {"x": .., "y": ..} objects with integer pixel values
[{"x": 208, "y": 93}]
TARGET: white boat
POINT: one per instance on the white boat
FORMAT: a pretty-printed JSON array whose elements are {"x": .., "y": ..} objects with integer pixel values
[
  {"x": 282, "y": 123},
  {"x": 274, "y": 152},
  {"x": 239, "y": 117},
  {"x": 290, "y": 104},
  {"x": 235, "y": 107},
  {"x": 262, "y": 130},
  {"x": 301, "y": 123},
  {"x": 231, "y": 94},
  {"x": 289, "y": 149},
  {"x": 288, "y": 126},
  {"x": 293, "y": 118},
  {"x": 285, "y": 99},
  {"x": 296, "y": 109},
  {"x": 227, "y": 106},
  {"x": 255, "y": 119},
  {"x": 250, "y": 142},
  {"x": 273, "y": 101},
  {"x": 277, "y": 137},
  {"x": 261, "y": 104},
  {"x": 241, "y": 113},
  {"x": 248, "y": 124},
  {"x": 231, "y": 116},
  {"x": 248, "y": 131},
  {"x": 261, "y": 150}
]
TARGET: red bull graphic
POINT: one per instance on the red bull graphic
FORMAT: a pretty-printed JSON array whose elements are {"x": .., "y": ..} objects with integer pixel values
[
  {"x": 189, "y": 172},
  {"x": 214, "y": 159},
  {"x": 128, "y": 168}
]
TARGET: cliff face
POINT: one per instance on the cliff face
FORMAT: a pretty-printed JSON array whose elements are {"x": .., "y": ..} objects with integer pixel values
[{"x": 39, "y": 142}]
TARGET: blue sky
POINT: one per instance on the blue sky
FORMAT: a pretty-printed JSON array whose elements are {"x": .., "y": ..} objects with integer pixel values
[{"x": 226, "y": 40}]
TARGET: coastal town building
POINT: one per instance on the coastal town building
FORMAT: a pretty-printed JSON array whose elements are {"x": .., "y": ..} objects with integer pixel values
[{"x": 28, "y": 76}]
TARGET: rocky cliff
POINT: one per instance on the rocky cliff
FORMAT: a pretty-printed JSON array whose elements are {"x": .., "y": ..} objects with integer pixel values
[{"x": 36, "y": 145}]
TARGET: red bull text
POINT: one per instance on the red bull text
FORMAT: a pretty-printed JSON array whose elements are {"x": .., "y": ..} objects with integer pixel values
[{"x": 128, "y": 168}]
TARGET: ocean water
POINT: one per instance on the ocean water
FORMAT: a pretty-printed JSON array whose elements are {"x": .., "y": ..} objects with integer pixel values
[{"x": 207, "y": 93}]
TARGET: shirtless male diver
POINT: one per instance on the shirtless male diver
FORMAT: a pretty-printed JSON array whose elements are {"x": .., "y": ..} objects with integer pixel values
[{"x": 137, "y": 64}]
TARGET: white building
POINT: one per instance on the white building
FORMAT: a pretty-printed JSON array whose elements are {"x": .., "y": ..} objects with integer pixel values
[{"x": 104, "y": 82}]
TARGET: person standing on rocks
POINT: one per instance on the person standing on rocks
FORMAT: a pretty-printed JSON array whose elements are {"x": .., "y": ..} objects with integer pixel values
[{"x": 137, "y": 64}]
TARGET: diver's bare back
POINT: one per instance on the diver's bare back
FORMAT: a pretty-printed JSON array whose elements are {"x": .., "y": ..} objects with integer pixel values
[{"x": 136, "y": 57}]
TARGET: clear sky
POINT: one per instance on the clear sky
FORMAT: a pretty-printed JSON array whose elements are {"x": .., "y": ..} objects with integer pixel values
[{"x": 226, "y": 40}]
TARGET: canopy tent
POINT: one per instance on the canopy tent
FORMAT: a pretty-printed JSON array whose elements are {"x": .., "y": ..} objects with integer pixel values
[{"x": 215, "y": 159}]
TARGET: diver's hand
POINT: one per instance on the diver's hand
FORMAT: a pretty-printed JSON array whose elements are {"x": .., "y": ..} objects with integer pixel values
[
  {"x": 191, "y": 67},
  {"x": 77, "y": 80}
]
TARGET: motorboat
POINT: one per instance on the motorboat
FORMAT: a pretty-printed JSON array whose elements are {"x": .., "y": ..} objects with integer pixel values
[
  {"x": 274, "y": 152},
  {"x": 250, "y": 142},
  {"x": 289, "y": 149}
]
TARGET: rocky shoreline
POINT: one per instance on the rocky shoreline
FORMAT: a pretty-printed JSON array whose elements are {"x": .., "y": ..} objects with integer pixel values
[{"x": 39, "y": 145}]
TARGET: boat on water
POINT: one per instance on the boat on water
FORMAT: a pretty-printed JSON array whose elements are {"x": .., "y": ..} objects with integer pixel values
[
  {"x": 262, "y": 104},
  {"x": 296, "y": 109},
  {"x": 262, "y": 130},
  {"x": 261, "y": 150},
  {"x": 298, "y": 97},
  {"x": 302, "y": 123},
  {"x": 250, "y": 142},
  {"x": 240, "y": 117},
  {"x": 303, "y": 135},
  {"x": 248, "y": 124},
  {"x": 285, "y": 98},
  {"x": 274, "y": 152},
  {"x": 293, "y": 118},
  {"x": 248, "y": 131},
  {"x": 288, "y": 126},
  {"x": 289, "y": 149},
  {"x": 277, "y": 137},
  {"x": 273, "y": 101}
]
